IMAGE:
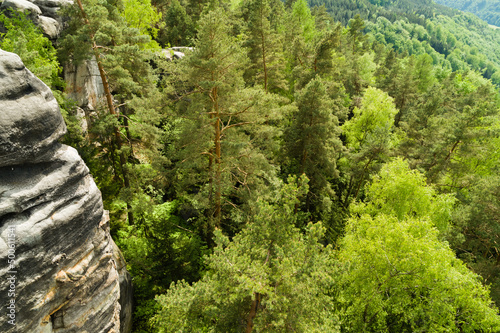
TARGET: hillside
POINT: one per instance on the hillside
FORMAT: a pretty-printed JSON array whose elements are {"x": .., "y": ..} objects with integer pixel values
[
  {"x": 455, "y": 40},
  {"x": 488, "y": 10}
]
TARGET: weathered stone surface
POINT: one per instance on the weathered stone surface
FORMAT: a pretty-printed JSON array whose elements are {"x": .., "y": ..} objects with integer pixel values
[
  {"x": 42, "y": 12},
  {"x": 84, "y": 84},
  {"x": 30, "y": 121},
  {"x": 51, "y": 7},
  {"x": 67, "y": 274},
  {"x": 176, "y": 52},
  {"x": 49, "y": 26},
  {"x": 21, "y": 5},
  {"x": 51, "y": 3}
]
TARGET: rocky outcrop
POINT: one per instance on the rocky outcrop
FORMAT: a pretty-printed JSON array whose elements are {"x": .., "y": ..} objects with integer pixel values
[
  {"x": 42, "y": 12},
  {"x": 59, "y": 268},
  {"x": 84, "y": 84},
  {"x": 176, "y": 52}
]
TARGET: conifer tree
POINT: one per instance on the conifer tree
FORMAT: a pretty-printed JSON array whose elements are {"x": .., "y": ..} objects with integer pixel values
[
  {"x": 397, "y": 77},
  {"x": 97, "y": 29},
  {"x": 355, "y": 30},
  {"x": 312, "y": 141},
  {"x": 300, "y": 33},
  {"x": 269, "y": 277},
  {"x": 223, "y": 132},
  {"x": 302, "y": 16},
  {"x": 449, "y": 122},
  {"x": 179, "y": 27},
  {"x": 265, "y": 48}
]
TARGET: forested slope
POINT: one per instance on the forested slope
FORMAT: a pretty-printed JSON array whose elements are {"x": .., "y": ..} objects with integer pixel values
[
  {"x": 488, "y": 10},
  {"x": 453, "y": 38},
  {"x": 294, "y": 170}
]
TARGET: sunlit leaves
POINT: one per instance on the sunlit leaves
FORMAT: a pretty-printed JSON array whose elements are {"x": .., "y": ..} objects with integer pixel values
[
  {"x": 373, "y": 121},
  {"x": 400, "y": 277},
  {"x": 401, "y": 192},
  {"x": 27, "y": 41},
  {"x": 140, "y": 14}
]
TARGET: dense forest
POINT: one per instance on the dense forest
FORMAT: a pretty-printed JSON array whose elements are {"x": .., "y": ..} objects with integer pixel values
[
  {"x": 488, "y": 10},
  {"x": 330, "y": 166}
]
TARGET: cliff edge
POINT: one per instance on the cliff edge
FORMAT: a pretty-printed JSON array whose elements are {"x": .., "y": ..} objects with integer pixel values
[{"x": 60, "y": 271}]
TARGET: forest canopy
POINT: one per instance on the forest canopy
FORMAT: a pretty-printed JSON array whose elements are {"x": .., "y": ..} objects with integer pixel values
[{"x": 321, "y": 166}]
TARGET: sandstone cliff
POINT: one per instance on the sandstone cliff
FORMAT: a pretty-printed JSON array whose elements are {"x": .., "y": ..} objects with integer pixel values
[{"x": 59, "y": 268}]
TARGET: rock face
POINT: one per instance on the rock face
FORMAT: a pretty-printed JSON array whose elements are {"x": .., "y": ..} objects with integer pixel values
[
  {"x": 42, "y": 12},
  {"x": 84, "y": 84},
  {"x": 59, "y": 268}
]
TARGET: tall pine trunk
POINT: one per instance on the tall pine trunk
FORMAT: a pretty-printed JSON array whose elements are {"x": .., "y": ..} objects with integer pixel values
[
  {"x": 111, "y": 108},
  {"x": 218, "y": 154}
]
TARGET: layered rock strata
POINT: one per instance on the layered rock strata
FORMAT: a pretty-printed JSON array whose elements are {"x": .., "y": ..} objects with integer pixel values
[{"x": 59, "y": 268}]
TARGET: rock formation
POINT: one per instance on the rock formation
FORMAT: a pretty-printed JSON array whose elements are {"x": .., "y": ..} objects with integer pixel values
[
  {"x": 84, "y": 84},
  {"x": 42, "y": 12},
  {"x": 60, "y": 271}
]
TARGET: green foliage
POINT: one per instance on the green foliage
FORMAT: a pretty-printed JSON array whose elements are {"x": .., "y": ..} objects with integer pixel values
[
  {"x": 313, "y": 138},
  {"x": 398, "y": 191},
  {"x": 179, "y": 27},
  {"x": 159, "y": 250},
  {"x": 100, "y": 31},
  {"x": 372, "y": 123},
  {"x": 449, "y": 122},
  {"x": 355, "y": 31},
  {"x": 268, "y": 277},
  {"x": 478, "y": 221},
  {"x": 226, "y": 133},
  {"x": 140, "y": 14},
  {"x": 271, "y": 89},
  {"x": 301, "y": 14},
  {"x": 311, "y": 145},
  {"x": 265, "y": 49},
  {"x": 488, "y": 10},
  {"x": 398, "y": 276},
  {"x": 27, "y": 41}
]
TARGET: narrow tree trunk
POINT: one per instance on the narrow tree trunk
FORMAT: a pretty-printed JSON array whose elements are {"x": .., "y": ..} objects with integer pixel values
[
  {"x": 218, "y": 173},
  {"x": 363, "y": 176},
  {"x": 252, "y": 313},
  {"x": 263, "y": 43},
  {"x": 127, "y": 130},
  {"x": 111, "y": 106}
]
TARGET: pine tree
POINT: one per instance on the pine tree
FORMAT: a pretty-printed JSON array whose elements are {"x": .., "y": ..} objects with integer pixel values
[
  {"x": 265, "y": 48},
  {"x": 97, "y": 29},
  {"x": 312, "y": 142},
  {"x": 179, "y": 28},
  {"x": 224, "y": 125},
  {"x": 449, "y": 122},
  {"x": 355, "y": 31},
  {"x": 269, "y": 277}
]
